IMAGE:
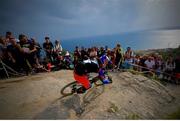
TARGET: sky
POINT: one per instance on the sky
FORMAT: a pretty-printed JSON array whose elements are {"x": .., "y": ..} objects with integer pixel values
[{"x": 67, "y": 19}]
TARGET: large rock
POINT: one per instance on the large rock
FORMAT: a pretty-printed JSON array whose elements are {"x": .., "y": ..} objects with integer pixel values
[{"x": 128, "y": 97}]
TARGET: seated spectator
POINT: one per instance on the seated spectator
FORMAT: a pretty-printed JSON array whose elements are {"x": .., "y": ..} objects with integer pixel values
[
  {"x": 28, "y": 51},
  {"x": 67, "y": 60},
  {"x": 15, "y": 53}
]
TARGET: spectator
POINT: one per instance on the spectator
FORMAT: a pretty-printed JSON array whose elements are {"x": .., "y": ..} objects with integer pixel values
[
  {"x": 34, "y": 53},
  {"x": 77, "y": 55},
  {"x": 158, "y": 65},
  {"x": 93, "y": 53},
  {"x": 118, "y": 56},
  {"x": 101, "y": 52},
  {"x": 142, "y": 62},
  {"x": 48, "y": 46},
  {"x": 128, "y": 58},
  {"x": 150, "y": 63},
  {"x": 67, "y": 60},
  {"x": 28, "y": 51},
  {"x": 137, "y": 62},
  {"x": 38, "y": 48},
  {"x": 8, "y": 36},
  {"x": 58, "y": 48},
  {"x": 15, "y": 53},
  {"x": 2, "y": 48},
  {"x": 83, "y": 53},
  {"x": 169, "y": 68}
]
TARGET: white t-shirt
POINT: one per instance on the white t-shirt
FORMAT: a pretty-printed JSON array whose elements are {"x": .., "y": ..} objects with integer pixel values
[{"x": 150, "y": 64}]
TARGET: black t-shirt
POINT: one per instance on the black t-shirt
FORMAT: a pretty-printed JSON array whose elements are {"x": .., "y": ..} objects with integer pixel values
[
  {"x": 83, "y": 54},
  {"x": 48, "y": 46},
  {"x": 16, "y": 54},
  {"x": 118, "y": 53}
]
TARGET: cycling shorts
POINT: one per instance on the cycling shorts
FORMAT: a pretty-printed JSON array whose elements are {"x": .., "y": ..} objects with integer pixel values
[{"x": 83, "y": 80}]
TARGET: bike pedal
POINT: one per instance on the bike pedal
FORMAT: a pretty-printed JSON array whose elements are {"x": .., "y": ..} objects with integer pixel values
[{"x": 73, "y": 90}]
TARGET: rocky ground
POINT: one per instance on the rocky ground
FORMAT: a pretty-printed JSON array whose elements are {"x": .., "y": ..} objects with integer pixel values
[{"x": 128, "y": 97}]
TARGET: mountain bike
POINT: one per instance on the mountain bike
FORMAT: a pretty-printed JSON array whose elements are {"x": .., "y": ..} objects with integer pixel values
[{"x": 71, "y": 88}]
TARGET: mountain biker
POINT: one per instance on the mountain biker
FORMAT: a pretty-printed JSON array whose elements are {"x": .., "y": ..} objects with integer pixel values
[{"x": 81, "y": 71}]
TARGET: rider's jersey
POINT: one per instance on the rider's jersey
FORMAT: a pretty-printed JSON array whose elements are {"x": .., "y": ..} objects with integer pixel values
[{"x": 105, "y": 59}]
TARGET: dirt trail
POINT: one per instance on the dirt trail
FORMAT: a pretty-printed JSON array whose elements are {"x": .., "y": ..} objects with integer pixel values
[{"x": 128, "y": 97}]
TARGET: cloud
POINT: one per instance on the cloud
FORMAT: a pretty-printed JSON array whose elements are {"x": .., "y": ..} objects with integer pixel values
[{"x": 77, "y": 18}]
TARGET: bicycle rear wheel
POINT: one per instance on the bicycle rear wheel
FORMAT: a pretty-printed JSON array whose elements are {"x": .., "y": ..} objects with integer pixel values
[{"x": 67, "y": 90}]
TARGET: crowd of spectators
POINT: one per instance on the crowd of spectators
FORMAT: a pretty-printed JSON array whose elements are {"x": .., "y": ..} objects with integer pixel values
[
  {"x": 163, "y": 68},
  {"x": 24, "y": 56},
  {"x": 151, "y": 64}
]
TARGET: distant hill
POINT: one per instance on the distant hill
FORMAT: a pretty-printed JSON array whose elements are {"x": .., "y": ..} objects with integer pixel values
[{"x": 165, "y": 52}]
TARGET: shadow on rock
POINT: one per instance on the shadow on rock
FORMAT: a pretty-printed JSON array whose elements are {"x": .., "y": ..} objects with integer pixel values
[
  {"x": 65, "y": 107},
  {"x": 61, "y": 109}
]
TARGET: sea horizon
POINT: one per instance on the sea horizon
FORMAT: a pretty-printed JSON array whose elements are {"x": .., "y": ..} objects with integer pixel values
[{"x": 142, "y": 40}]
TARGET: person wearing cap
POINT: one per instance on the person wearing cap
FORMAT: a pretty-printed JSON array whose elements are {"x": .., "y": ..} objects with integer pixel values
[{"x": 68, "y": 60}]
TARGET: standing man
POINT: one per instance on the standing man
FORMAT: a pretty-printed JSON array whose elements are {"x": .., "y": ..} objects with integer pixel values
[
  {"x": 48, "y": 46},
  {"x": 118, "y": 56},
  {"x": 128, "y": 58}
]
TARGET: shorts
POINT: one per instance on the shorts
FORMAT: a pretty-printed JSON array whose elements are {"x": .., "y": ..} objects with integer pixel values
[{"x": 83, "y": 80}]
